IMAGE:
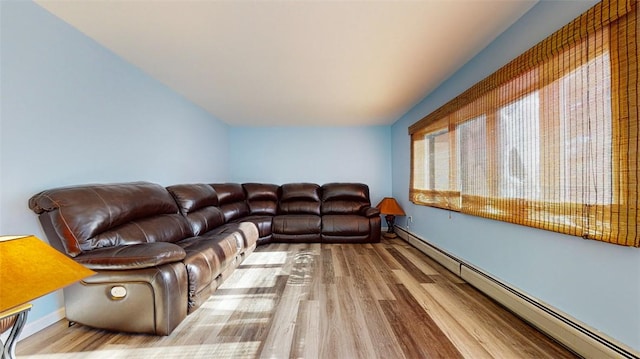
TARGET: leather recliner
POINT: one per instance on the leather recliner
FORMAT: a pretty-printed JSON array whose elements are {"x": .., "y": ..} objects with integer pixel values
[
  {"x": 152, "y": 268},
  {"x": 298, "y": 218}
]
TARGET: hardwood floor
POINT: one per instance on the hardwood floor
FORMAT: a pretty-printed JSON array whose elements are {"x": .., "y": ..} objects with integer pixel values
[{"x": 384, "y": 300}]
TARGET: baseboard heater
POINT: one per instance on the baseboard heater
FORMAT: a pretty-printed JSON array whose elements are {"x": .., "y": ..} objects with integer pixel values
[{"x": 576, "y": 336}]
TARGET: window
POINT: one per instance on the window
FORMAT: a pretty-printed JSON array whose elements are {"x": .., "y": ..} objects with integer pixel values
[
  {"x": 519, "y": 148},
  {"x": 586, "y": 132},
  {"x": 548, "y": 141},
  {"x": 437, "y": 160},
  {"x": 472, "y": 157},
  {"x": 433, "y": 181}
]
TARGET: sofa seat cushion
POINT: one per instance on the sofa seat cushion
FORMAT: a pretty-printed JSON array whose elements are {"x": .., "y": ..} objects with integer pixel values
[
  {"x": 297, "y": 228},
  {"x": 328, "y": 238},
  {"x": 244, "y": 233},
  {"x": 263, "y": 223},
  {"x": 297, "y": 238},
  {"x": 345, "y": 225},
  {"x": 297, "y": 224},
  {"x": 220, "y": 250},
  {"x": 135, "y": 256},
  {"x": 206, "y": 258}
]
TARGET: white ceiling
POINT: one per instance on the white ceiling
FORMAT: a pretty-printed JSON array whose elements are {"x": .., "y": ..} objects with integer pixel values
[{"x": 322, "y": 63}]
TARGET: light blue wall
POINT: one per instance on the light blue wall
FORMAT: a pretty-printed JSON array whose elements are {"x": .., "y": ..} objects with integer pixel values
[
  {"x": 72, "y": 112},
  {"x": 313, "y": 154},
  {"x": 595, "y": 282}
]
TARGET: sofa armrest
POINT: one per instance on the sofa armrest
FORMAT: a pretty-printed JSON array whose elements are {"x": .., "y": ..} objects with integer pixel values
[
  {"x": 135, "y": 256},
  {"x": 370, "y": 212}
]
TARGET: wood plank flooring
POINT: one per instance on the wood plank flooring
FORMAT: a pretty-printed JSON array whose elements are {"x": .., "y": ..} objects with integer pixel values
[{"x": 384, "y": 300}]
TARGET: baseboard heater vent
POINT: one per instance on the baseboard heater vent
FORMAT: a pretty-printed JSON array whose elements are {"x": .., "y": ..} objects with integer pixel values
[
  {"x": 448, "y": 261},
  {"x": 576, "y": 336}
]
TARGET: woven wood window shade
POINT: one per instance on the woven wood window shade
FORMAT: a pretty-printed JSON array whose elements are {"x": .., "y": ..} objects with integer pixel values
[{"x": 550, "y": 140}]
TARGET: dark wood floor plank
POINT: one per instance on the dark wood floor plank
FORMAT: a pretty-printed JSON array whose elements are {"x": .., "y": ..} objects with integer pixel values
[
  {"x": 354, "y": 320},
  {"x": 328, "y": 272},
  {"x": 340, "y": 262},
  {"x": 381, "y": 266},
  {"x": 368, "y": 288},
  {"x": 409, "y": 267},
  {"x": 307, "y": 330},
  {"x": 537, "y": 342},
  {"x": 279, "y": 339},
  {"x": 382, "y": 252},
  {"x": 336, "y": 342},
  {"x": 454, "y": 327},
  {"x": 419, "y": 335},
  {"x": 378, "y": 286}
]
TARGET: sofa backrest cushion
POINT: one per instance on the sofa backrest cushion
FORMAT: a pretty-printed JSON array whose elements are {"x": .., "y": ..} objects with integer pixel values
[
  {"x": 344, "y": 198},
  {"x": 299, "y": 198},
  {"x": 198, "y": 203},
  {"x": 262, "y": 199},
  {"x": 231, "y": 200},
  {"x": 97, "y": 216}
]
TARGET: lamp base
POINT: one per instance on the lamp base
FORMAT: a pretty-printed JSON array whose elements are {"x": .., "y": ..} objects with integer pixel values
[
  {"x": 14, "y": 319},
  {"x": 389, "y": 235},
  {"x": 391, "y": 219}
]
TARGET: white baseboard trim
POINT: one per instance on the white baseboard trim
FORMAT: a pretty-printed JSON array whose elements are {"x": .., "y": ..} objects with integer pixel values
[
  {"x": 575, "y": 335},
  {"x": 37, "y": 325}
]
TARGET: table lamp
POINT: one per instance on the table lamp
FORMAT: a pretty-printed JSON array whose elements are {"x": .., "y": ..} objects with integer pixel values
[
  {"x": 390, "y": 208},
  {"x": 29, "y": 269}
]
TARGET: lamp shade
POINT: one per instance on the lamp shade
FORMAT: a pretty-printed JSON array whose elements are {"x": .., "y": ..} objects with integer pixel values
[
  {"x": 388, "y": 205},
  {"x": 30, "y": 268}
]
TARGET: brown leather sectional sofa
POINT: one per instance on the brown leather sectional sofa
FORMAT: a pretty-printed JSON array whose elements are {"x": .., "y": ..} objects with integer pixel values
[{"x": 161, "y": 252}]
